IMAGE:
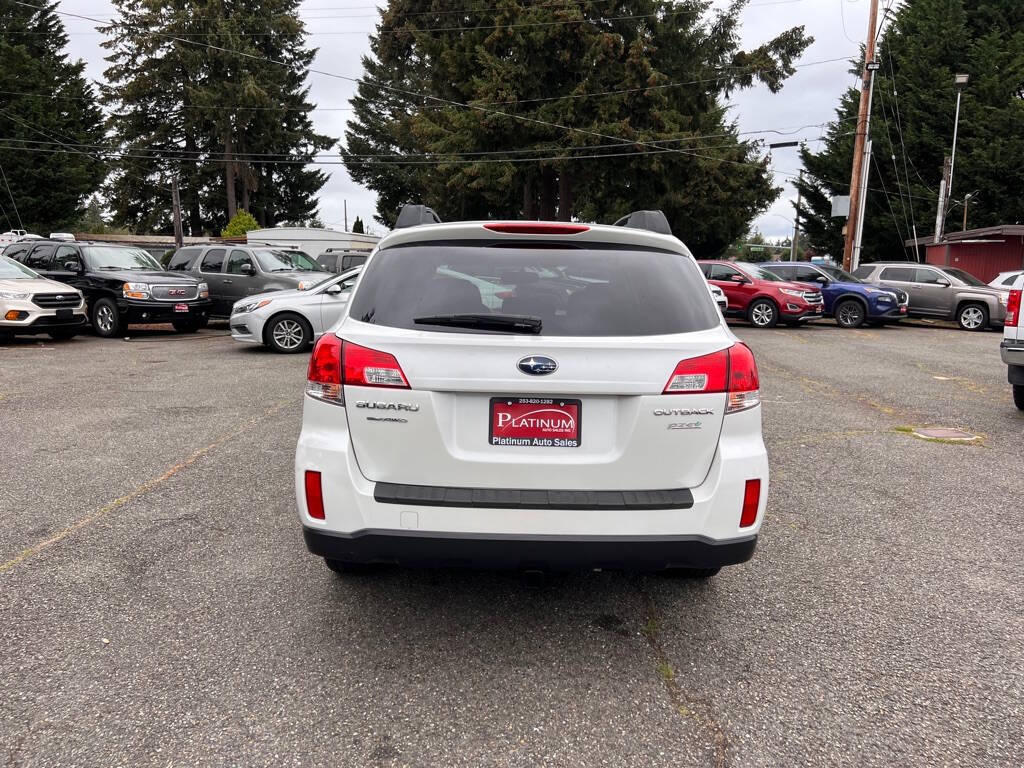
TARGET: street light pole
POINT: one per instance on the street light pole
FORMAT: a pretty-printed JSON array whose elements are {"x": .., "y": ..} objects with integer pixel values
[
  {"x": 858, "y": 227},
  {"x": 796, "y": 223}
]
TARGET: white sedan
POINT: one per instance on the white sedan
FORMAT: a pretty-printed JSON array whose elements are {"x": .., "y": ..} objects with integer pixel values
[{"x": 289, "y": 321}]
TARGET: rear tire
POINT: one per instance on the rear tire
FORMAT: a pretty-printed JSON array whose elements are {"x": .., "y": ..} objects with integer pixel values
[
  {"x": 346, "y": 567},
  {"x": 1018, "y": 396},
  {"x": 762, "y": 313},
  {"x": 185, "y": 326},
  {"x": 288, "y": 333},
  {"x": 105, "y": 320},
  {"x": 972, "y": 317}
]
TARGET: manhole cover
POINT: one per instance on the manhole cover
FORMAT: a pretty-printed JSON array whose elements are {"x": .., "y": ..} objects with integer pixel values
[{"x": 944, "y": 433}]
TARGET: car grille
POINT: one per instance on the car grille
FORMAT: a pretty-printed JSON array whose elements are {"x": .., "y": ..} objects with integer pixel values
[
  {"x": 813, "y": 297},
  {"x": 181, "y": 292},
  {"x": 50, "y": 300}
]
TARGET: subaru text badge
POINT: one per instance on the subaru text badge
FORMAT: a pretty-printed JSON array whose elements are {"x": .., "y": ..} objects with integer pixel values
[{"x": 537, "y": 365}]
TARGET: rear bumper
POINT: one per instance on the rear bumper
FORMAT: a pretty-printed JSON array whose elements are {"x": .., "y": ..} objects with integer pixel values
[
  {"x": 1012, "y": 352},
  {"x": 527, "y": 553}
]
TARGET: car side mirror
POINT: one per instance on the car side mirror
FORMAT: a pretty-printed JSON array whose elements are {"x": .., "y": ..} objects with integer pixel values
[
  {"x": 943, "y": 283},
  {"x": 73, "y": 266},
  {"x": 822, "y": 279},
  {"x": 334, "y": 290},
  {"x": 738, "y": 279},
  {"x": 248, "y": 269}
]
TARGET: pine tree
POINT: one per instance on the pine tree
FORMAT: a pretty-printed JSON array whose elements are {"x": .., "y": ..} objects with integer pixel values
[
  {"x": 912, "y": 128},
  {"x": 46, "y": 107},
  {"x": 357, "y": 227},
  {"x": 530, "y": 68},
  {"x": 216, "y": 96}
]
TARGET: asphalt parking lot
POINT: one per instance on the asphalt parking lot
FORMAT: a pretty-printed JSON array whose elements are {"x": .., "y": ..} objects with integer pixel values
[{"x": 158, "y": 606}]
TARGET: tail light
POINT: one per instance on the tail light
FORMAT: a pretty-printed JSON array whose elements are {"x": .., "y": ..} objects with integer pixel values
[
  {"x": 323, "y": 381},
  {"x": 1013, "y": 308},
  {"x": 314, "y": 495},
  {"x": 731, "y": 370},
  {"x": 751, "y": 500},
  {"x": 364, "y": 367}
]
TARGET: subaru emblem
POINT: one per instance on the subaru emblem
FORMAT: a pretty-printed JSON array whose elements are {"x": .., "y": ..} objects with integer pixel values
[{"x": 537, "y": 365}]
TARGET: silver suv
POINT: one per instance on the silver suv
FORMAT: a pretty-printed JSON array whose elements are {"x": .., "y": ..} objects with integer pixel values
[
  {"x": 943, "y": 292},
  {"x": 235, "y": 272}
]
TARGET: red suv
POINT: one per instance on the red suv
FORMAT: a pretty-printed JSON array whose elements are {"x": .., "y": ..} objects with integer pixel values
[{"x": 761, "y": 297}]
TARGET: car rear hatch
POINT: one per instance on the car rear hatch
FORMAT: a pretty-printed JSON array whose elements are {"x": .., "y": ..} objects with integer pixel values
[{"x": 571, "y": 407}]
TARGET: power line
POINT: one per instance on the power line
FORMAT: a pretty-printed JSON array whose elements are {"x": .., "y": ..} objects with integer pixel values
[
  {"x": 383, "y": 86},
  {"x": 11, "y": 195}
]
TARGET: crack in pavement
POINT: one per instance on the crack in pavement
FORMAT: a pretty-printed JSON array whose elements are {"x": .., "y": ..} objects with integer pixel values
[
  {"x": 149, "y": 485},
  {"x": 687, "y": 706}
]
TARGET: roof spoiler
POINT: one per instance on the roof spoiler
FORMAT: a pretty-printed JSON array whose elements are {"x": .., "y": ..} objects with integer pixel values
[
  {"x": 654, "y": 221},
  {"x": 413, "y": 215}
]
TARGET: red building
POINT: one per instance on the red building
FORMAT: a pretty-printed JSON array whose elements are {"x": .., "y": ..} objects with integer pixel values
[{"x": 982, "y": 252}]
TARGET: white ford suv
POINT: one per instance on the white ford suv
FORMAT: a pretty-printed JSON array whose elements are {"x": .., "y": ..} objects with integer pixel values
[
  {"x": 595, "y": 412},
  {"x": 1012, "y": 347}
]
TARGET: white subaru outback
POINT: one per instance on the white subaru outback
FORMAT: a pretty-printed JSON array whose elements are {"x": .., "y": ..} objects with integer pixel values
[{"x": 532, "y": 395}]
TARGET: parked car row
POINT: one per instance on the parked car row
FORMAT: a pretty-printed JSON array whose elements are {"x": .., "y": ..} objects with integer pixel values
[{"x": 878, "y": 293}]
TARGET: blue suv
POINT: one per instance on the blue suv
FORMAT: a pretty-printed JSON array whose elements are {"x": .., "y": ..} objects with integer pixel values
[{"x": 850, "y": 301}]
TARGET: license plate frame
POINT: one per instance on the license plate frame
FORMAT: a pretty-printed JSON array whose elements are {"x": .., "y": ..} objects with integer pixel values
[
  {"x": 555, "y": 434},
  {"x": 181, "y": 307}
]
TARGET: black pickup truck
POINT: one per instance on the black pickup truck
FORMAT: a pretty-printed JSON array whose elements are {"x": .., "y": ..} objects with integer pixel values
[{"x": 123, "y": 285}]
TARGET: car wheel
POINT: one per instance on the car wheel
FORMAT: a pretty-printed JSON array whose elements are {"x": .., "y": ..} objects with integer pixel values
[
  {"x": 288, "y": 334},
  {"x": 185, "y": 326},
  {"x": 850, "y": 314},
  {"x": 105, "y": 320},
  {"x": 347, "y": 567},
  {"x": 973, "y": 317},
  {"x": 763, "y": 313},
  {"x": 62, "y": 335},
  {"x": 1018, "y": 396}
]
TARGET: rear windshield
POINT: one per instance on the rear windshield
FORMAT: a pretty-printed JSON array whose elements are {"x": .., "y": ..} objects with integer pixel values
[{"x": 574, "y": 292}]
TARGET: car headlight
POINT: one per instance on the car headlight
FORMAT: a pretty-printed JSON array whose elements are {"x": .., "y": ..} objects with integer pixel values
[
  {"x": 790, "y": 292},
  {"x": 13, "y": 295},
  {"x": 135, "y": 290},
  {"x": 204, "y": 291},
  {"x": 250, "y": 307}
]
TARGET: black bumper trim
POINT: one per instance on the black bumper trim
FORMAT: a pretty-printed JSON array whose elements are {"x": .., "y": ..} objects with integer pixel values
[
  {"x": 515, "y": 498},
  {"x": 443, "y": 550}
]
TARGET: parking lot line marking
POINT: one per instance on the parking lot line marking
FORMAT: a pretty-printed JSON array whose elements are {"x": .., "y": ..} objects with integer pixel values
[{"x": 149, "y": 485}]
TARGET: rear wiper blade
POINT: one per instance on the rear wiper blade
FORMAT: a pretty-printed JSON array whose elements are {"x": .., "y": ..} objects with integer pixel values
[{"x": 513, "y": 323}]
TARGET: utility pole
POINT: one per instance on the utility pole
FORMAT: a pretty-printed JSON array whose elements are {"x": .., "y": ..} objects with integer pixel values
[
  {"x": 179, "y": 238},
  {"x": 346, "y": 215},
  {"x": 796, "y": 224},
  {"x": 863, "y": 124},
  {"x": 940, "y": 214}
]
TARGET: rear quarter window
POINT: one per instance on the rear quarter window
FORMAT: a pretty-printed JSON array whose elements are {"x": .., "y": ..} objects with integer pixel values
[
  {"x": 575, "y": 292},
  {"x": 182, "y": 260}
]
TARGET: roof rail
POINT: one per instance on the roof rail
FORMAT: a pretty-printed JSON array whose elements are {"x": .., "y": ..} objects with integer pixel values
[
  {"x": 413, "y": 215},
  {"x": 655, "y": 221}
]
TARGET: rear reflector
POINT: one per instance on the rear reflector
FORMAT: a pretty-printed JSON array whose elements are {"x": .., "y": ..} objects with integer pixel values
[
  {"x": 751, "y": 500},
  {"x": 731, "y": 370},
  {"x": 534, "y": 228},
  {"x": 369, "y": 368},
  {"x": 314, "y": 495},
  {"x": 1013, "y": 308},
  {"x": 323, "y": 380}
]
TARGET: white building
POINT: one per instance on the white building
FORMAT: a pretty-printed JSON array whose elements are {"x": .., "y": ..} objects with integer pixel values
[{"x": 311, "y": 240}]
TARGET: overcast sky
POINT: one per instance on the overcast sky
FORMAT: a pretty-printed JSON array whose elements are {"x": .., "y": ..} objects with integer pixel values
[{"x": 808, "y": 99}]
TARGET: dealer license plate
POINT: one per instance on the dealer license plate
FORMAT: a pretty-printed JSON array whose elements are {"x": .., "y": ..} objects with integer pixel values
[
  {"x": 181, "y": 307},
  {"x": 536, "y": 422}
]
